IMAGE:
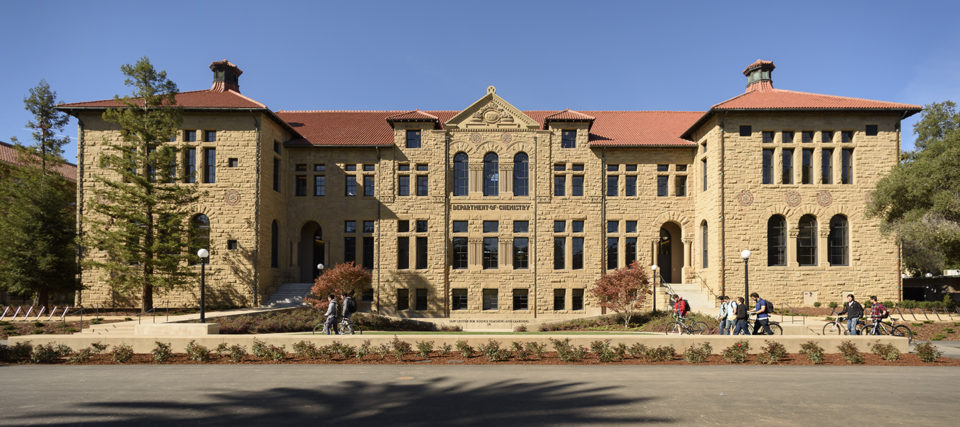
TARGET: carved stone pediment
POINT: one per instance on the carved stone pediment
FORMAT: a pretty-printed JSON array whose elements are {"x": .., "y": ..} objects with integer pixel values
[{"x": 491, "y": 112}]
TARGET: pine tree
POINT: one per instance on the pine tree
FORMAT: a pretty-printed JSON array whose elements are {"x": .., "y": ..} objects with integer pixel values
[
  {"x": 139, "y": 221},
  {"x": 37, "y": 208}
]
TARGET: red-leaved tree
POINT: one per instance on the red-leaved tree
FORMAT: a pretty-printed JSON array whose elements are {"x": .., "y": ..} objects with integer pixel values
[
  {"x": 347, "y": 277},
  {"x": 623, "y": 290}
]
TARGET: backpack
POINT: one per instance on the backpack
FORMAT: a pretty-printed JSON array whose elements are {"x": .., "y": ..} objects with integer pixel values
[
  {"x": 351, "y": 306},
  {"x": 686, "y": 305},
  {"x": 769, "y": 306}
]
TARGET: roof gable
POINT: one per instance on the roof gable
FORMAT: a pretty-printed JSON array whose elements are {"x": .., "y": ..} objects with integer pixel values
[{"x": 491, "y": 112}]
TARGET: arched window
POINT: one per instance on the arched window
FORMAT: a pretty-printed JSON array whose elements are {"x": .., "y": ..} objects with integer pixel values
[
  {"x": 461, "y": 174},
  {"x": 704, "y": 245},
  {"x": 199, "y": 234},
  {"x": 491, "y": 175},
  {"x": 777, "y": 240},
  {"x": 521, "y": 177},
  {"x": 838, "y": 242},
  {"x": 807, "y": 240},
  {"x": 274, "y": 245}
]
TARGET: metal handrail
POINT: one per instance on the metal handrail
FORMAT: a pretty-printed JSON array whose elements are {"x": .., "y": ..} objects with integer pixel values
[
  {"x": 152, "y": 310},
  {"x": 703, "y": 284}
]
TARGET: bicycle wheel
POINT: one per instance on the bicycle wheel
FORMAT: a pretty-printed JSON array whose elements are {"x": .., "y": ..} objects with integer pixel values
[
  {"x": 698, "y": 328},
  {"x": 831, "y": 329},
  {"x": 776, "y": 329},
  {"x": 902, "y": 331},
  {"x": 865, "y": 329}
]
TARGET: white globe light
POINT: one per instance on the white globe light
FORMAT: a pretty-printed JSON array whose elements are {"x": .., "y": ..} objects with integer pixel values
[
  {"x": 928, "y": 275},
  {"x": 203, "y": 253},
  {"x": 654, "y": 267},
  {"x": 320, "y": 266},
  {"x": 745, "y": 254}
]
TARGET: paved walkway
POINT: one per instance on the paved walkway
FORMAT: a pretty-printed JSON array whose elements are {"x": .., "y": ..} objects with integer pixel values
[{"x": 506, "y": 395}]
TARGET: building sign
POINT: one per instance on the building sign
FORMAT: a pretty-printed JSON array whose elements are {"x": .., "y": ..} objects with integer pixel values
[{"x": 480, "y": 207}]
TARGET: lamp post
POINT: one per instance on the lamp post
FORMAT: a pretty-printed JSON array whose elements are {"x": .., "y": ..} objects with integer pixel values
[
  {"x": 746, "y": 275},
  {"x": 203, "y": 254},
  {"x": 654, "y": 268},
  {"x": 319, "y": 269}
]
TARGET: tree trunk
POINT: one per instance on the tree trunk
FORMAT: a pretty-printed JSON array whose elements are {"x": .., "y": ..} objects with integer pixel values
[
  {"x": 43, "y": 297},
  {"x": 146, "y": 302}
]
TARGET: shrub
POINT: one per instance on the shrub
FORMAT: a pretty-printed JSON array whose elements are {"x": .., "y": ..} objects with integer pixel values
[
  {"x": 772, "y": 353},
  {"x": 197, "y": 353},
  {"x": 400, "y": 348},
  {"x": 306, "y": 349},
  {"x": 82, "y": 356},
  {"x": 536, "y": 349},
  {"x": 161, "y": 353},
  {"x": 698, "y": 354},
  {"x": 850, "y": 353},
  {"x": 813, "y": 351},
  {"x": 16, "y": 353},
  {"x": 222, "y": 349},
  {"x": 736, "y": 353},
  {"x": 98, "y": 347},
  {"x": 122, "y": 353},
  {"x": 445, "y": 349},
  {"x": 62, "y": 350},
  {"x": 345, "y": 351},
  {"x": 886, "y": 351},
  {"x": 661, "y": 354},
  {"x": 948, "y": 330},
  {"x": 917, "y": 324},
  {"x": 274, "y": 353},
  {"x": 620, "y": 351},
  {"x": 238, "y": 353},
  {"x": 608, "y": 353},
  {"x": 567, "y": 352},
  {"x": 46, "y": 354},
  {"x": 928, "y": 352},
  {"x": 364, "y": 350},
  {"x": 519, "y": 351},
  {"x": 382, "y": 350},
  {"x": 259, "y": 349},
  {"x": 927, "y": 322},
  {"x": 817, "y": 304},
  {"x": 833, "y": 304},
  {"x": 424, "y": 348},
  {"x": 520, "y": 328},
  {"x": 637, "y": 350},
  {"x": 464, "y": 349},
  {"x": 492, "y": 351},
  {"x": 938, "y": 337}
]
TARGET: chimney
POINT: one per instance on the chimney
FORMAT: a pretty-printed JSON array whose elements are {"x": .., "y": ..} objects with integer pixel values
[
  {"x": 758, "y": 75},
  {"x": 226, "y": 76}
]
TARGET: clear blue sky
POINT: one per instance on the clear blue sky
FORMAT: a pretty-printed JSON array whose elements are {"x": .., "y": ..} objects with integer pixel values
[{"x": 677, "y": 55}]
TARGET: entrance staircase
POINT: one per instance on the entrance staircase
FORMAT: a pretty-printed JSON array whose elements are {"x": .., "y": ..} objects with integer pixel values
[
  {"x": 700, "y": 300},
  {"x": 289, "y": 295}
]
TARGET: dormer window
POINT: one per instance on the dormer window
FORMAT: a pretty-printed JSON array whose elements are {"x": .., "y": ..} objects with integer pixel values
[
  {"x": 413, "y": 138},
  {"x": 568, "y": 138}
]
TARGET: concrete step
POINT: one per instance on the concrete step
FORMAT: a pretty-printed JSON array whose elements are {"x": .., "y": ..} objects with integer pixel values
[{"x": 289, "y": 295}]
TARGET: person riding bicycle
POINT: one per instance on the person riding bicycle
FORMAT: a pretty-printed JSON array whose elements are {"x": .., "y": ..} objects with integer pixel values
[
  {"x": 349, "y": 307},
  {"x": 330, "y": 323},
  {"x": 877, "y": 312}
]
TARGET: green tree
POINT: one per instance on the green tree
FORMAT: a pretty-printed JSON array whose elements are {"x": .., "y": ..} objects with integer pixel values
[
  {"x": 140, "y": 221},
  {"x": 37, "y": 214},
  {"x": 919, "y": 201}
]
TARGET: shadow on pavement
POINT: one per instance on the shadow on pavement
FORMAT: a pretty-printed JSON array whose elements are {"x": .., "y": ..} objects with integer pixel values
[{"x": 435, "y": 402}]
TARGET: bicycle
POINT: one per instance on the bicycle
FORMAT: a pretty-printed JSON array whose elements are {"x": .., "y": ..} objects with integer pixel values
[
  {"x": 838, "y": 326},
  {"x": 881, "y": 328},
  {"x": 681, "y": 326},
  {"x": 343, "y": 325},
  {"x": 774, "y": 327}
]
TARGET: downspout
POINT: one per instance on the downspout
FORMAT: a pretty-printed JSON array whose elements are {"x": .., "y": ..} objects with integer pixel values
[
  {"x": 446, "y": 224},
  {"x": 533, "y": 247},
  {"x": 256, "y": 214},
  {"x": 78, "y": 296},
  {"x": 379, "y": 226},
  {"x": 603, "y": 215},
  {"x": 723, "y": 208},
  {"x": 899, "y": 242}
]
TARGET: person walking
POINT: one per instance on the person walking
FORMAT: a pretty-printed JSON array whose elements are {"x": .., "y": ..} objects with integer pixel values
[
  {"x": 725, "y": 325},
  {"x": 854, "y": 312},
  {"x": 740, "y": 316},
  {"x": 763, "y": 315},
  {"x": 877, "y": 312},
  {"x": 731, "y": 315},
  {"x": 349, "y": 307},
  {"x": 330, "y": 324}
]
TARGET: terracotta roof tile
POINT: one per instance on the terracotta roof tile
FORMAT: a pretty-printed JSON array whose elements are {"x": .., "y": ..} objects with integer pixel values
[
  {"x": 768, "y": 98},
  {"x": 9, "y": 155},
  {"x": 414, "y": 115},
  {"x": 569, "y": 114},
  {"x": 193, "y": 99}
]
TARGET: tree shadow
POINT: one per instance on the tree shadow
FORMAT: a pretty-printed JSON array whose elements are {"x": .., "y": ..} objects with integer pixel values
[{"x": 438, "y": 401}]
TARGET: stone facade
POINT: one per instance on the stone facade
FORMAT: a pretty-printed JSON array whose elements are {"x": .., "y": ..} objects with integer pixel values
[{"x": 287, "y": 220}]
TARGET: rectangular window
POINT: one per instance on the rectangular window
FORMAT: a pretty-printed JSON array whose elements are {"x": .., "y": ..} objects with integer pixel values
[
  {"x": 349, "y": 249},
  {"x": 559, "y": 253},
  {"x": 300, "y": 167},
  {"x": 352, "y": 167},
  {"x": 613, "y": 244},
  {"x": 422, "y": 167},
  {"x": 403, "y": 299},
  {"x": 190, "y": 136},
  {"x": 577, "y": 252},
  {"x": 662, "y": 182},
  {"x": 630, "y": 168},
  {"x": 767, "y": 166},
  {"x": 806, "y": 171},
  {"x": 209, "y": 136},
  {"x": 301, "y": 186},
  {"x": 613, "y": 167},
  {"x": 421, "y": 299},
  {"x": 190, "y": 165},
  {"x": 578, "y": 226},
  {"x": 629, "y": 250},
  {"x": 767, "y": 136},
  {"x": 422, "y": 187},
  {"x": 746, "y": 130},
  {"x": 663, "y": 168},
  {"x": 350, "y": 188},
  {"x": 366, "y": 295},
  {"x": 460, "y": 226},
  {"x": 413, "y": 138},
  {"x": 612, "y": 185},
  {"x": 576, "y": 185},
  {"x": 577, "y": 167},
  {"x": 559, "y": 299},
  {"x": 806, "y": 136},
  {"x": 846, "y": 136},
  {"x": 613, "y": 226},
  {"x": 559, "y": 185},
  {"x": 489, "y": 299},
  {"x": 458, "y": 299},
  {"x": 787, "y": 175},
  {"x": 403, "y": 253},
  {"x": 826, "y": 136},
  {"x": 276, "y": 147},
  {"x": 826, "y": 166},
  {"x": 559, "y": 226},
  {"x": 846, "y": 166},
  {"x": 421, "y": 252},
  {"x": 521, "y": 226},
  {"x": 368, "y": 253},
  {"x": 349, "y": 226},
  {"x": 403, "y": 185},
  {"x": 520, "y": 297},
  {"x": 630, "y": 185},
  {"x": 568, "y": 139},
  {"x": 403, "y": 167},
  {"x": 787, "y": 136},
  {"x": 559, "y": 167},
  {"x": 210, "y": 165},
  {"x": 403, "y": 226},
  {"x": 231, "y": 245},
  {"x": 459, "y": 261},
  {"x": 521, "y": 253},
  {"x": 421, "y": 226},
  {"x": 319, "y": 167},
  {"x": 319, "y": 185},
  {"x": 871, "y": 130},
  {"x": 233, "y": 162},
  {"x": 491, "y": 226},
  {"x": 368, "y": 186},
  {"x": 631, "y": 227},
  {"x": 368, "y": 226},
  {"x": 680, "y": 185},
  {"x": 576, "y": 299},
  {"x": 490, "y": 252},
  {"x": 276, "y": 174},
  {"x": 703, "y": 168}
]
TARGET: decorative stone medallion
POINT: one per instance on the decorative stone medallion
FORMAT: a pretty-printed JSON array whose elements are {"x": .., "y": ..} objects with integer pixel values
[
  {"x": 506, "y": 138},
  {"x": 824, "y": 198},
  {"x": 745, "y": 198},
  {"x": 475, "y": 138},
  {"x": 232, "y": 197},
  {"x": 793, "y": 199}
]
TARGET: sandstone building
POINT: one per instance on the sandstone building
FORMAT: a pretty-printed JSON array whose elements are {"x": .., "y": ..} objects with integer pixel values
[{"x": 494, "y": 211}]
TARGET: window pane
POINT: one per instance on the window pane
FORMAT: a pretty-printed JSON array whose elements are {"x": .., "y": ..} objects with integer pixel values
[
  {"x": 806, "y": 171},
  {"x": 458, "y": 300},
  {"x": 349, "y": 226},
  {"x": 559, "y": 252},
  {"x": 491, "y": 226},
  {"x": 368, "y": 253},
  {"x": 559, "y": 185},
  {"x": 846, "y": 166},
  {"x": 662, "y": 181},
  {"x": 459, "y": 253},
  {"x": 787, "y": 136},
  {"x": 491, "y": 175},
  {"x": 559, "y": 299},
  {"x": 576, "y": 299},
  {"x": 838, "y": 241},
  {"x": 663, "y": 168},
  {"x": 520, "y": 297},
  {"x": 704, "y": 246},
  {"x": 460, "y": 226},
  {"x": 520, "y": 252},
  {"x": 301, "y": 186},
  {"x": 807, "y": 241},
  {"x": 403, "y": 226},
  {"x": 413, "y": 139},
  {"x": 489, "y": 299},
  {"x": 612, "y": 254},
  {"x": 422, "y": 185},
  {"x": 403, "y": 253},
  {"x": 629, "y": 250},
  {"x": 210, "y": 169},
  {"x": 806, "y": 136},
  {"x": 559, "y": 226},
  {"x": 630, "y": 186},
  {"x": 349, "y": 249},
  {"x": 631, "y": 227},
  {"x": 680, "y": 182},
  {"x": 421, "y": 252},
  {"x": 521, "y": 175},
  {"x": 826, "y": 136},
  {"x": 403, "y": 185},
  {"x": 612, "y": 185},
  {"x": 787, "y": 166},
  {"x": 368, "y": 186},
  {"x": 319, "y": 185},
  {"x": 577, "y": 250},
  {"x": 613, "y": 226},
  {"x": 768, "y": 166},
  {"x": 350, "y": 189},
  {"x": 577, "y": 185},
  {"x": 421, "y": 226},
  {"x": 421, "y": 299},
  {"x": 403, "y": 299},
  {"x": 521, "y": 226},
  {"x": 826, "y": 165},
  {"x": 578, "y": 226},
  {"x": 767, "y": 136},
  {"x": 777, "y": 241},
  {"x": 490, "y": 252},
  {"x": 368, "y": 226},
  {"x": 568, "y": 139},
  {"x": 460, "y": 174}
]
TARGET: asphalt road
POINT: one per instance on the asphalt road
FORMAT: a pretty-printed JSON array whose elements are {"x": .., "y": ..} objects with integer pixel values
[{"x": 420, "y": 395}]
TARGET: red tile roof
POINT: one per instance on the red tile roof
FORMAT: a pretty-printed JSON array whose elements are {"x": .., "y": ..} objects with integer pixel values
[
  {"x": 415, "y": 115},
  {"x": 9, "y": 155},
  {"x": 198, "y": 99},
  {"x": 610, "y": 129},
  {"x": 570, "y": 115},
  {"x": 757, "y": 64}
]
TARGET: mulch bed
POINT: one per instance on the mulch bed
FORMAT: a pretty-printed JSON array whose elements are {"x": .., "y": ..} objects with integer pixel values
[
  {"x": 549, "y": 358},
  {"x": 51, "y": 327}
]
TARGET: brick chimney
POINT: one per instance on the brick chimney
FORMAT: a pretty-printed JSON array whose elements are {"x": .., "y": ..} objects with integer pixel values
[
  {"x": 759, "y": 75},
  {"x": 226, "y": 76}
]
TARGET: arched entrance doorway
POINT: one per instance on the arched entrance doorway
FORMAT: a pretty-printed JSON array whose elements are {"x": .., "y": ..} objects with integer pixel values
[
  {"x": 670, "y": 253},
  {"x": 311, "y": 251}
]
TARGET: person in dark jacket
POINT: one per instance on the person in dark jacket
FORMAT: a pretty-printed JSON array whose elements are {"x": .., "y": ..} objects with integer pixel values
[
  {"x": 741, "y": 317},
  {"x": 854, "y": 312}
]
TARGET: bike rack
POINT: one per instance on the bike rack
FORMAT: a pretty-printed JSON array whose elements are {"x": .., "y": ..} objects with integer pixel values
[
  {"x": 935, "y": 312},
  {"x": 25, "y": 316},
  {"x": 52, "y": 311},
  {"x": 42, "y": 309},
  {"x": 5, "y": 310},
  {"x": 64, "y": 314}
]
